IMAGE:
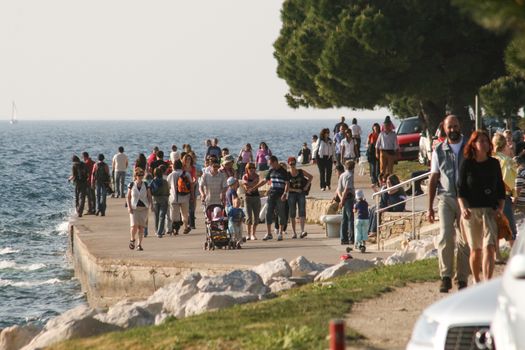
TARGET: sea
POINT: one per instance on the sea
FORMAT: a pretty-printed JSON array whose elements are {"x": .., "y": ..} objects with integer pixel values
[{"x": 37, "y": 280}]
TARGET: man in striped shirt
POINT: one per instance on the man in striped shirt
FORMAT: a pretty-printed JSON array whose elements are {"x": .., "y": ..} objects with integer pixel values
[
  {"x": 520, "y": 184},
  {"x": 277, "y": 196}
]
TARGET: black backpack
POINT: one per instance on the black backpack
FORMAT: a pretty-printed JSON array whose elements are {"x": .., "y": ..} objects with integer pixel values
[{"x": 101, "y": 175}]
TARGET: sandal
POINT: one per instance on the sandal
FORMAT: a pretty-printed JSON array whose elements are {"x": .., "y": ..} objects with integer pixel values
[
  {"x": 139, "y": 247},
  {"x": 186, "y": 230},
  {"x": 132, "y": 244}
]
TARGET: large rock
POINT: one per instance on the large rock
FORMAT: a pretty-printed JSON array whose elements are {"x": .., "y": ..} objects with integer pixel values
[
  {"x": 334, "y": 271},
  {"x": 302, "y": 266},
  {"x": 16, "y": 337},
  {"x": 79, "y": 322},
  {"x": 203, "y": 302},
  {"x": 175, "y": 296},
  {"x": 126, "y": 314},
  {"x": 280, "y": 284},
  {"x": 273, "y": 269},
  {"x": 236, "y": 281}
]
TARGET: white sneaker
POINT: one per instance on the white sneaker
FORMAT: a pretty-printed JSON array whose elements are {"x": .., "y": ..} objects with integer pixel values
[
  {"x": 252, "y": 238},
  {"x": 279, "y": 237}
]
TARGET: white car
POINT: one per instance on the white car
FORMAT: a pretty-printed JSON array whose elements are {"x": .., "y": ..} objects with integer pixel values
[
  {"x": 481, "y": 316},
  {"x": 458, "y": 321},
  {"x": 508, "y": 327}
]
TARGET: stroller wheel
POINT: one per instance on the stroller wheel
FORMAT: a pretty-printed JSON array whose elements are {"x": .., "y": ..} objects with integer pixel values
[
  {"x": 348, "y": 249},
  {"x": 362, "y": 248}
]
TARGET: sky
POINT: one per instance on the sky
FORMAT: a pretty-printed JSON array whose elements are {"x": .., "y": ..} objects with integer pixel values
[{"x": 158, "y": 59}]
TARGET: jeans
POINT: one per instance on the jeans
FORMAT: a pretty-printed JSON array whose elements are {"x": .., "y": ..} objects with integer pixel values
[
  {"x": 91, "y": 199},
  {"x": 374, "y": 171},
  {"x": 297, "y": 200},
  {"x": 161, "y": 209},
  {"x": 101, "y": 198},
  {"x": 347, "y": 225},
  {"x": 509, "y": 213},
  {"x": 282, "y": 221},
  {"x": 120, "y": 178},
  {"x": 325, "y": 171},
  {"x": 275, "y": 203},
  {"x": 80, "y": 197}
]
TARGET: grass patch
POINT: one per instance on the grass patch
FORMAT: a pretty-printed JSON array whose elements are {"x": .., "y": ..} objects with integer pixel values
[
  {"x": 404, "y": 168},
  {"x": 297, "y": 319}
]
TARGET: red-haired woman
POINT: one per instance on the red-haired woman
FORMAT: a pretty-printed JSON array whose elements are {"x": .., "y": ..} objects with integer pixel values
[{"x": 481, "y": 198}]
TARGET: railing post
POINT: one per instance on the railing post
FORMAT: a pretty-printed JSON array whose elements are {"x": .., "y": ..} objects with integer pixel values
[{"x": 337, "y": 335}]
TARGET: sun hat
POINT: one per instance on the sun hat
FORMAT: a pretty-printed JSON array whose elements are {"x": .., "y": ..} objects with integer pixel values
[
  {"x": 231, "y": 180},
  {"x": 359, "y": 194}
]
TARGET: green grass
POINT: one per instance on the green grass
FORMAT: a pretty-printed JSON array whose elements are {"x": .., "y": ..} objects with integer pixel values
[
  {"x": 297, "y": 319},
  {"x": 403, "y": 169}
]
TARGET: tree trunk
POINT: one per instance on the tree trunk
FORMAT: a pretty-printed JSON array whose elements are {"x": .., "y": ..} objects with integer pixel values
[{"x": 433, "y": 114}]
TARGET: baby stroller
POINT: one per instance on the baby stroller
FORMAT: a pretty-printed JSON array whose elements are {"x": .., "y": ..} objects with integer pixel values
[{"x": 217, "y": 235}]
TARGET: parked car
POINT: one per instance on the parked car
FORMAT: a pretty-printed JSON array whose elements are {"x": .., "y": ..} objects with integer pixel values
[
  {"x": 408, "y": 134},
  {"x": 427, "y": 144},
  {"x": 489, "y": 315}
]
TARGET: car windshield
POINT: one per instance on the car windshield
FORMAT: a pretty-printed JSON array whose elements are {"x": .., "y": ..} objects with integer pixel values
[{"x": 409, "y": 126}]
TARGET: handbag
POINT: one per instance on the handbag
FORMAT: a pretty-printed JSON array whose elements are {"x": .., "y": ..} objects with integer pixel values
[{"x": 504, "y": 230}]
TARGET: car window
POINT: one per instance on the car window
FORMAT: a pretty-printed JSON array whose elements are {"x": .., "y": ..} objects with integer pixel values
[{"x": 409, "y": 126}]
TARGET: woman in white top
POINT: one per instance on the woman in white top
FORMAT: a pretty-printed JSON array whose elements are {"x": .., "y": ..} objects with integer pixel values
[
  {"x": 138, "y": 201},
  {"x": 356, "y": 134},
  {"x": 324, "y": 155},
  {"x": 348, "y": 147}
]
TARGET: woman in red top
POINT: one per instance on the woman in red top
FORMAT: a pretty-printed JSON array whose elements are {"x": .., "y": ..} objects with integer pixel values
[{"x": 371, "y": 153}]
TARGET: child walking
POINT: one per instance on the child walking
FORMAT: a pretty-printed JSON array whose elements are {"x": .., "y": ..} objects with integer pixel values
[
  {"x": 235, "y": 220},
  {"x": 361, "y": 221}
]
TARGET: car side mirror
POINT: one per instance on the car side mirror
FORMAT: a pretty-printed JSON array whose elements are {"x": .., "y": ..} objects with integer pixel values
[{"x": 517, "y": 266}]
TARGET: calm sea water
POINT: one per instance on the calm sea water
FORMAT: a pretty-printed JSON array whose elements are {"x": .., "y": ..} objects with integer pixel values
[{"x": 36, "y": 278}]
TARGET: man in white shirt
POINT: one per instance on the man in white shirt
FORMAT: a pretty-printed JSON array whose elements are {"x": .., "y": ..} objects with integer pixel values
[
  {"x": 120, "y": 167},
  {"x": 356, "y": 134},
  {"x": 387, "y": 148}
]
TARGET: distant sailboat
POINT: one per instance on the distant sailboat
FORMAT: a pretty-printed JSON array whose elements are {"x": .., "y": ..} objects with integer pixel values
[{"x": 14, "y": 119}]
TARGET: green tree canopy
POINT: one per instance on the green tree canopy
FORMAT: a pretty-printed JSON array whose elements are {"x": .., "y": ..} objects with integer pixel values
[
  {"x": 503, "y": 98},
  {"x": 416, "y": 56}
]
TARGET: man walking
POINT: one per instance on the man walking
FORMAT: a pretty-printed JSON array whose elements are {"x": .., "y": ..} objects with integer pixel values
[
  {"x": 346, "y": 194},
  {"x": 101, "y": 180},
  {"x": 213, "y": 185},
  {"x": 446, "y": 162},
  {"x": 79, "y": 176},
  {"x": 387, "y": 148},
  {"x": 277, "y": 196},
  {"x": 90, "y": 185},
  {"x": 120, "y": 167}
]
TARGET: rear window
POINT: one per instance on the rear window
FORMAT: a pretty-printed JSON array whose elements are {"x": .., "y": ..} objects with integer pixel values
[{"x": 409, "y": 126}]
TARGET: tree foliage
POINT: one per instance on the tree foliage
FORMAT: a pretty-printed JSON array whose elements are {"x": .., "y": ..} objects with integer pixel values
[
  {"x": 504, "y": 16},
  {"x": 415, "y": 56},
  {"x": 504, "y": 97}
]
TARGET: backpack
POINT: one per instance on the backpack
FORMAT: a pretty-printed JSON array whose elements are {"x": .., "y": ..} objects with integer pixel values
[
  {"x": 82, "y": 173},
  {"x": 101, "y": 175},
  {"x": 183, "y": 185}
]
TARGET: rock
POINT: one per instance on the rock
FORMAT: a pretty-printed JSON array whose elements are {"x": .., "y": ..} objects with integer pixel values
[
  {"x": 333, "y": 271},
  {"x": 16, "y": 337},
  {"x": 203, "y": 302},
  {"x": 126, "y": 314},
  {"x": 302, "y": 266},
  {"x": 236, "y": 281},
  {"x": 79, "y": 322},
  {"x": 378, "y": 261},
  {"x": 272, "y": 269},
  {"x": 280, "y": 284},
  {"x": 175, "y": 296},
  {"x": 160, "y": 318},
  {"x": 302, "y": 280}
]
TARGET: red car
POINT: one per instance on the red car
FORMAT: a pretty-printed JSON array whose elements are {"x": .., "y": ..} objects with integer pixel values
[{"x": 408, "y": 135}]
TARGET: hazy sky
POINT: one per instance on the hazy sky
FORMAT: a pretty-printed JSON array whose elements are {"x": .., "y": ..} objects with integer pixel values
[{"x": 130, "y": 59}]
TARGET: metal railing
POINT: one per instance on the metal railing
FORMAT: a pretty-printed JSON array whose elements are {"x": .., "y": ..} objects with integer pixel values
[{"x": 412, "y": 213}]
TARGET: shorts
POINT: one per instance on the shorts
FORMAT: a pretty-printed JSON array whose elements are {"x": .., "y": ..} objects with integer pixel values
[{"x": 481, "y": 229}]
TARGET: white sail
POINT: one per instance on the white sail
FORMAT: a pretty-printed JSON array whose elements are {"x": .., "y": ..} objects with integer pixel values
[{"x": 14, "y": 119}]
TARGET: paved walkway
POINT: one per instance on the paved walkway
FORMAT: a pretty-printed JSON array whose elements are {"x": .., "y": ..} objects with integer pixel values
[{"x": 107, "y": 240}]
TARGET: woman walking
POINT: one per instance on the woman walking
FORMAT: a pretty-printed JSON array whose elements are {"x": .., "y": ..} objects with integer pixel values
[
  {"x": 373, "y": 161},
  {"x": 262, "y": 156},
  {"x": 250, "y": 182},
  {"x": 300, "y": 182},
  {"x": 245, "y": 157},
  {"x": 348, "y": 148},
  {"x": 324, "y": 156},
  {"x": 138, "y": 201},
  {"x": 481, "y": 198},
  {"x": 188, "y": 166}
]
